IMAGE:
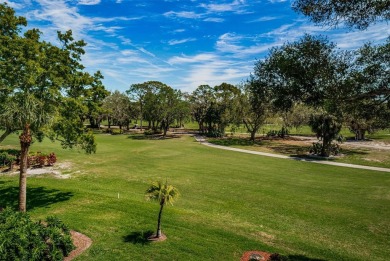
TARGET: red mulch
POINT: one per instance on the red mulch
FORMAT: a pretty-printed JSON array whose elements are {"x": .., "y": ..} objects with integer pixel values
[
  {"x": 265, "y": 255},
  {"x": 81, "y": 242}
]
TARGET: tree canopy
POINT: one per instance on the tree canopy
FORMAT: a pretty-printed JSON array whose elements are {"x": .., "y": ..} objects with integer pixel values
[
  {"x": 355, "y": 13},
  {"x": 35, "y": 77}
]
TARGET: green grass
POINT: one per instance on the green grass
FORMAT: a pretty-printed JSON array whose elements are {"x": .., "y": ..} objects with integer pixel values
[{"x": 230, "y": 203}]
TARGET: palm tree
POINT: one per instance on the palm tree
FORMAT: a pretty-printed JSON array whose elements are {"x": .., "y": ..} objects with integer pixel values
[{"x": 164, "y": 194}]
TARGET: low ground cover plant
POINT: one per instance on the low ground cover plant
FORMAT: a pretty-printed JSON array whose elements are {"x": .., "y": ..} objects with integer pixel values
[
  {"x": 23, "y": 239},
  {"x": 40, "y": 159}
]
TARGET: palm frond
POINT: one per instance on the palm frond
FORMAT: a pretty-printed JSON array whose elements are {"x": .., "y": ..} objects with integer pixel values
[{"x": 162, "y": 192}]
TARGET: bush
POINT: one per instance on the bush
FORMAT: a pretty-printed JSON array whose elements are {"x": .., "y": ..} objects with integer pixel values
[
  {"x": 215, "y": 134},
  {"x": 152, "y": 132},
  {"x": 316, "y": 149},
  {"x": 278, "y": 133},
  {"x": 149, "y": 132},
  {"x": 6, "y": 159},
  {"x": 23, "y": 239},
  {"x": 51, "y": 159},
  {"x": 39, "y": 159}
]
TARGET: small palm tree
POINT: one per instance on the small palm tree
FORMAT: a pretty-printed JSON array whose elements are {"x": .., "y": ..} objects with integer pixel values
[{"x": 164, "y": 194}]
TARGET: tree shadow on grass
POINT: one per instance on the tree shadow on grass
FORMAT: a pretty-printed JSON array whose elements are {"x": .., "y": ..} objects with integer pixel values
[
  {"x": 138, "y": 237},
  {"x": 303, "y": 258},
  {"x": 235, "y": 141},
  {"x": 152, "y": 137},
  {"x": 36, "y": 197}
]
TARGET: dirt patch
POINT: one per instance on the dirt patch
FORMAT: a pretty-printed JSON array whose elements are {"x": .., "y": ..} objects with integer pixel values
[{"x": 53, "y": 170}]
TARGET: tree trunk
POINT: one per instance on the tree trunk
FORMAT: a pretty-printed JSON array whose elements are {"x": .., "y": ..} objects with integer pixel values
[
  {"x": 25, "y": 142},
  {"x": 141, "y": 115},
  {"x": 109, "y": 122},
  {"x": 253, "y": 135},
  {"x": 325, "y": 147},
  {"x": 360, "y": 134},
  {"x": 158, "y": 233},
  {"x": 92, "y": 122}
]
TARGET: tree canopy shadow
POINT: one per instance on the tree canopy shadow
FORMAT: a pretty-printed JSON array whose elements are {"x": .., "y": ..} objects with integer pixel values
[
  {"x": 36, "y": 197},
  {"x": 302, "y": 258},
  {"x": 233, "y": 141},
  {"x": 152, "y": 137},
  {"x": 138, "y": 237}
]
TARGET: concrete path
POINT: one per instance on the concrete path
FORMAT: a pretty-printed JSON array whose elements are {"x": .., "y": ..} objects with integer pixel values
[{"x": 203, "y": 141}]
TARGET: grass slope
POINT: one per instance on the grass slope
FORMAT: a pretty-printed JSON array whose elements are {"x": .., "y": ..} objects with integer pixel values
[{"x": 230, "y": 203}]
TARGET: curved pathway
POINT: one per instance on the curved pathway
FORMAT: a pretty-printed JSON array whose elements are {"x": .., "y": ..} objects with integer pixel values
[{"x": 203, "y": 141}]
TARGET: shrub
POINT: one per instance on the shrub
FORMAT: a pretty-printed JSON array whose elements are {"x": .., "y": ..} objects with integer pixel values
[
  {"x": 152, "y": 132},
  {"x": 51, "y": 159},
  {"x": 215, "y": 134},
  {"x": 39, "y": 159},
  {"x": 6, "y": 159},
  {"x": 316, "y": 149},
  {"x": 23, "y": 239},
  {"x": 272, "y": 133},
  {"x": 283, "y": 132},
  {"x": 149, "y": 132}
]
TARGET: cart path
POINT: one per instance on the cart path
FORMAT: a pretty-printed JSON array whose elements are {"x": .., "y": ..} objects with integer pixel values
[{"x": 203, "y": 141}]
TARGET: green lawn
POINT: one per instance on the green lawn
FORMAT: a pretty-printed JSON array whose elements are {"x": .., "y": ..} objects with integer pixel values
[{"x": 230, "y": 202}]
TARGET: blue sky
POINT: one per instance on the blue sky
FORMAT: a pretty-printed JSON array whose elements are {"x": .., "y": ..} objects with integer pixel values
[{"x": 181, "y": 43}]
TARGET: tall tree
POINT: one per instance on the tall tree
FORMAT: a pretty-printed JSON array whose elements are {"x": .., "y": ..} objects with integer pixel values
[
  {"x": 94, "y": 97},
  {"x": 201, "y": 100},
  {"x": 119, "y": 107},
  {"x": 367, "y": 108},
  {"x": 137, "y": 93},
  {"x": 170, "y": 106},
  {"x": 309, "y": 71},
  {"x": 355, "y": 13},
  {"x": 34, "y": 74},
  {"x": 255, "y": 105}
]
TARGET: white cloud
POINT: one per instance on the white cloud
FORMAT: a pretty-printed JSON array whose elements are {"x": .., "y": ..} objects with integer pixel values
[
  {"x": 183, "y": 59},
  {"x": 216, "y": 20},
  {"x": 183, "y": 14},
  {"x": 175, "y": 42},
  {"x": 89, "y": 2},
  {"x": 219, "y": 8},
  {"x": 215, "y": 72},
  {"x": 355, "y": 39},
  {"x": 178, "y": 31},
  {"x": 146, "y": 52},
  {"x": 265, "y": 19},
  {"x": 13, "y": 4}
]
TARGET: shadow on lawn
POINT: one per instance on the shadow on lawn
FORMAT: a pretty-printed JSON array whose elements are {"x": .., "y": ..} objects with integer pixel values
[
  {"x": 138, "y": 237},
  {"x": 152, "y": 137},
  {"x": 303, "y": 258},
  {"x": 236, "y": 141},
  {"x": 36, "y": 197}
]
